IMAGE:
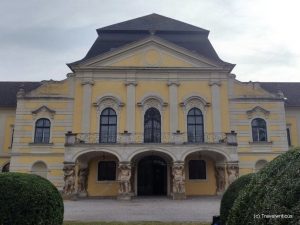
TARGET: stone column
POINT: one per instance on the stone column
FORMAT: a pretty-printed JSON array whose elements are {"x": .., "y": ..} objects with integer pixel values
[
  {"x": 178, "y": 180},
  {"x": 232, "y": 172},
  {"x": 124, "y": 181},
  {"x": 86, "y": 105},
  {"x": 215, "y": 92},
  {"x": 173, "y": 106},
  {"x": 69, "y": 179},
  {"x": 82, "y": 181},
  {"x": 130, "y": 106},
  {"x": 220, "y": 178}
]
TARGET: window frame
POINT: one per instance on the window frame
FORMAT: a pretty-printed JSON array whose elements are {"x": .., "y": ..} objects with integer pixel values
[
  {"x": 194, "y": 125},
  {"x": 288, "y": 135},
  {"x": 257, "y": 130},
  {"x": 98, "y": 171},
  {"x": 153, "y": 137},
  {"x": 109, "y": 125},
  {"x": 190, "y": 169},
  {"x": 43, "y": 128}
]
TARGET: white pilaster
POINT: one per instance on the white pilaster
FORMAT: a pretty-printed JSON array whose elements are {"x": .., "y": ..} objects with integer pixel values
[
  {"x": 173, "y": 106},
  {"x": 86, "y": 106},
  {"x": 130, "y": 106},
  {"x": 215, "y": 92}
]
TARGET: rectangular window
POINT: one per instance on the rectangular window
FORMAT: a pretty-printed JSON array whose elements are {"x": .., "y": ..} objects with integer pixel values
[
  {"x": 197, "y": 170},
  {"x": 288, "y": 136},
  {"x": 106, "y": 170}
]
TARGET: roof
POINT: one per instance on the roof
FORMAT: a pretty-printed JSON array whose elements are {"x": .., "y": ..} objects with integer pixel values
[
  {"x": 182, "y": 34},
  {"x": 290, "y": 90},
  {"x": 153, "y": 22},
  {"x": 8, "y": 91}
]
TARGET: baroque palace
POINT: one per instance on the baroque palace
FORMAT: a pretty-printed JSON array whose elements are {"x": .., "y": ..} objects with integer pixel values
[{"x": 150, "y": 110}]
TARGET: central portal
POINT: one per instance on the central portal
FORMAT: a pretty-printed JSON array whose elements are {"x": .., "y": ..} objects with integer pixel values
[{"x": 152, "y": 176}]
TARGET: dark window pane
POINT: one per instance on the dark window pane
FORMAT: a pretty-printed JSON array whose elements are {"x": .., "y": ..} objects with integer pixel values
[
  {"x": 195, "y": 126},
  {"x": 46, "y": 123},
  {"x": 197, "y": 169},
  {"x": 152, "y": 126},
  {"x": 197, "y": 112},
  {"x": 191, "y": 119},
  {"x": 113, "y": 120},
  {"x": 259, "y": 130},
  {"x": 40, "y": 123},
  {"x": 105, "y": 112},
  {"x": 104, "y": 120},
  {"x": 288, "y": 136},
  {"x": 106, "y": 170},
  {"x": 199, "y": 119},
  {"x": 42, "y": 131},
  {"x": 108, "y": 126}
]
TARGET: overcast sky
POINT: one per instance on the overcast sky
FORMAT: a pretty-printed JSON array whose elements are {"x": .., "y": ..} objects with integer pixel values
[{"x": 38, "y": 37}]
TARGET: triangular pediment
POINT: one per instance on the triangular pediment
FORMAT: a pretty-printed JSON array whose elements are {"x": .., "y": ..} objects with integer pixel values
[{"x": 150, "y": 52}]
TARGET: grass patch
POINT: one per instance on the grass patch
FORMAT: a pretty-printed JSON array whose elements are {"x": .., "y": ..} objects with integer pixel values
[{"x": 134, "y": 223}]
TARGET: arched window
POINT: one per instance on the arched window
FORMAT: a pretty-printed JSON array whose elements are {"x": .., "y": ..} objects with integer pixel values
[
  {"x": 40, "y": 168},
  {"x": 197, "y": 170},
  {"x": 5, "y": 168},
  {"x": 260, "y": 164},
  {"x": 259, "y": 130},
  {"x": 152, "y": 126},
  {"x": 195, "y": 127},
  {"x": 108, "y": 126},
  {"x": 42, "y": 131}
]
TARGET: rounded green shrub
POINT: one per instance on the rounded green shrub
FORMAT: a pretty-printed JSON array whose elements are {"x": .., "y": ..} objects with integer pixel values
[
  {"x": 27, "y": 199},
  {"x": 232, "y": 193},
  {"x": 273, "y": 195}
]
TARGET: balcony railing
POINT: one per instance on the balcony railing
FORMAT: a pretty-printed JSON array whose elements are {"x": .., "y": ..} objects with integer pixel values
[{"x": 138, "y": 138}]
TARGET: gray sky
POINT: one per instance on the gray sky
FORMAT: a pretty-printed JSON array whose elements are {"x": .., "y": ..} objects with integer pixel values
[{"x": 38, "y": 37}]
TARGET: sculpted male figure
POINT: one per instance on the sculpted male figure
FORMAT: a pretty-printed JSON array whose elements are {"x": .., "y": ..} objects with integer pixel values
[
  {"x": 233, "y": 173},
  {"x": 178, "y": 179},
  {"x": 124, "y": 179},
  {"x": 82, "y": 179},
  {"x": 69, "y": 178},
  {"x": 220, "y": 176}
]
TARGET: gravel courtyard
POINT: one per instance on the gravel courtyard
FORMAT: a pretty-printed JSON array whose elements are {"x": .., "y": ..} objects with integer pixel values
[{"x": 143, "y": 209}]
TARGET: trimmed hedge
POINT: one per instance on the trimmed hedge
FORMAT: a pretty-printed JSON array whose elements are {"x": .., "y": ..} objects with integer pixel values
[
  {"x": 29, "y": 199},
  {"x": 275, "y": 190},
  {"x": 232, "y": 193}
]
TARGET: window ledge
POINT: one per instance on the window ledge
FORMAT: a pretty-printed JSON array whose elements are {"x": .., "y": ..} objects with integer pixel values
[
  {"x": 260, "y": 142},
  {"x": 197, "y": 180},
  {"x": 40, "y": 144},
  {"x": 106, "y": 181}
]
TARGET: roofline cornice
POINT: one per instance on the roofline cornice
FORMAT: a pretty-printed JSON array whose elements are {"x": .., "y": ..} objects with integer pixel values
[{"x": 164, "y": 43}]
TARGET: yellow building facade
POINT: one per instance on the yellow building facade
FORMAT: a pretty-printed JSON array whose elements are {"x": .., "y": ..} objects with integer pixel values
[{"x": 150, "y": 110}]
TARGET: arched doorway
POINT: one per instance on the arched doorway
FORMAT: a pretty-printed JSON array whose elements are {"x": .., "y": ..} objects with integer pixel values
[{"x": 152, "y": 176}]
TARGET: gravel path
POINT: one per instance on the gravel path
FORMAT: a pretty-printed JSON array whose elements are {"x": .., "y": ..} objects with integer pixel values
[{"x": 143, "y": 209}]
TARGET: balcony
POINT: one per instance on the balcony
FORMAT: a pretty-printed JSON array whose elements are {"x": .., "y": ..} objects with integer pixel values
[{"x": 140, "y": 138}]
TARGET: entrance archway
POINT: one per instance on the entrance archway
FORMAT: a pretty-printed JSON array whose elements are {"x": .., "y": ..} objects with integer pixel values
[{"x": 152, "y": 176}]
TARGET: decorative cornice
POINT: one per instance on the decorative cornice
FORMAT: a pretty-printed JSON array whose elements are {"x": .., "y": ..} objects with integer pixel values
[
  {"x": 133, "y": 83},
  {"x": 44, "y": 109},
  {"x": 214, "y": 82},
  {"x": 257, "y": 109},
  {"x": 170, "y": 83},
  {"x": 90, "y": 82}
]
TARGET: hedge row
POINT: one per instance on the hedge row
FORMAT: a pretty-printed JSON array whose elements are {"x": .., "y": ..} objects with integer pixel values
[
  {"x": 29, "y": 199},
  {"x": 274, "y": 191},
  {"x": 232, "y": 193}
]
